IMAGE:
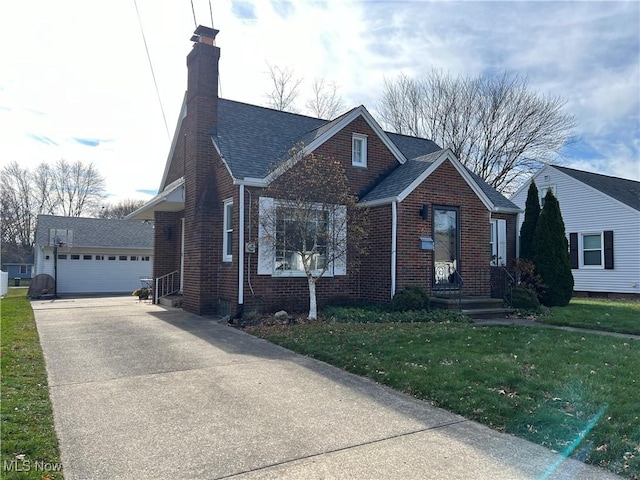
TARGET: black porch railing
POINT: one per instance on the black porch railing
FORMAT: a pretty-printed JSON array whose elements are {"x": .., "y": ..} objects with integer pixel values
[{"x": 495, "y": 282}]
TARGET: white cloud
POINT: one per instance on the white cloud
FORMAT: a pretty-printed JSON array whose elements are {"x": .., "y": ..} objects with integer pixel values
[{"x": 78, "y": 69}]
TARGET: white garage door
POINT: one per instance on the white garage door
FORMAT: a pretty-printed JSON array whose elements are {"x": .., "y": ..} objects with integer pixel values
[{"x": 108, "y": 273}]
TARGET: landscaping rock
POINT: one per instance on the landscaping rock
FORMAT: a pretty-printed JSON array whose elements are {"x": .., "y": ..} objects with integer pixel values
[{"x": 281, "y": 316}]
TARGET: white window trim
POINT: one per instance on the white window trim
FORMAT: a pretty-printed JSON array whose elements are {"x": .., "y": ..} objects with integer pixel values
[
  {"x": 581, "y": 264},
  {"x": 267, "y": 254},
  {"x": 499, "y": 245},
  {"x": 225, "y": 231},
  {"x": 358, "y": 137}
]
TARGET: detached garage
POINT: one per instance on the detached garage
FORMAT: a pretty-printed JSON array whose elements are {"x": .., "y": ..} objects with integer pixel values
[{"x": 93, "y": 255}]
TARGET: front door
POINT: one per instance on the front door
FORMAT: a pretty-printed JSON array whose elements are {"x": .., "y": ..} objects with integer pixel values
[{"x": 446, "y": 255}]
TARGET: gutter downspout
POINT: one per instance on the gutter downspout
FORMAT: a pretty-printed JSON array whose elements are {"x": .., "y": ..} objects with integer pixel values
[
  {"x": 240, "y": 253},
  {"x": 394, "y": 241}
]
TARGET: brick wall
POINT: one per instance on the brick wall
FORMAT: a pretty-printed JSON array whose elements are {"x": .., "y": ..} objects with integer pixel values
[{"x": 444, "y": 187}]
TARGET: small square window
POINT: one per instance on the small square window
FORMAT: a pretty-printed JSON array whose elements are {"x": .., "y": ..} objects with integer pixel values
[
  {"x": 144, "y": 259},
  {"x": 112, "y": 257},
  {"x": 122, "y": 258},
  {"x": 99, "y": 257},
  {"x": 86, "y": 257},
  {"x": 62, "y": 256},
  {"x": 133, "y": 258},
  {"x": 359, "y": 150}
]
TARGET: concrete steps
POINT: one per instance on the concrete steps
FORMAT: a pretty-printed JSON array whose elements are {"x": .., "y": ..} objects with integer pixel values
[
  {"x": 474, "y": 307},
  {"x": 171, "y": 301}
]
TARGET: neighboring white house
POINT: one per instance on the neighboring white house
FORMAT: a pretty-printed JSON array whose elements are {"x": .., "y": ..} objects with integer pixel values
[
  {"x": 93, "y": 255},
  {"x": 602, "y": 221}
]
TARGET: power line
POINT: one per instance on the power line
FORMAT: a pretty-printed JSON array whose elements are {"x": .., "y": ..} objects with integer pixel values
[
  {"x": 211, "y": 14},
  {"x": 193, "y": 10},
  {"x": 144, "y": 39}
]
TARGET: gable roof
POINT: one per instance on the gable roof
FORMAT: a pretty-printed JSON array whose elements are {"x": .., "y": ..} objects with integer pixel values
[
  {"x": 97, "y": 232},
  {"x": 623, "y": 190},
  {"x": 250, "y": 139},
  {"x": 404, "y": 179}
]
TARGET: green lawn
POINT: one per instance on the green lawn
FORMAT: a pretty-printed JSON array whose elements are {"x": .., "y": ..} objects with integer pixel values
[
  {"x": 598, "y": 314},
  {"x": 29, "y": 443},
  {"x": 548, "y": 386}
]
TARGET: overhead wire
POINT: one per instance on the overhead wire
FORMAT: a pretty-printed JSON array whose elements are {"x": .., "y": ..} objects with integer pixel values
[
  {"x": 193, "y": 10},
  {"x": 155, "y": 83}
]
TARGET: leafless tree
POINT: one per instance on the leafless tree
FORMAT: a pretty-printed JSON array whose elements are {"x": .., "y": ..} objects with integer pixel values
[
  {"x": 310, "y": 222},
  {"x": 120, "y": 209},
  {"x": 76, "y": 188},
  {"x": 285, "y": 88},
  {"x": 325, "y": 101},
  {"x": 18, "y": 213},
  {"x": 498, "y": 127},
  {"x": 61, "y": 188}
]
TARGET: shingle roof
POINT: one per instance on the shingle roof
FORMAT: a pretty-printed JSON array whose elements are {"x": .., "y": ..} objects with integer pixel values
[
  {"x": 496, "y": 197},
  {"x": 252, "y": 138},
  {"x": 623, "y": 190},
  {"x": 398, "y": 180},
  {"x": 97, "y": 232}
]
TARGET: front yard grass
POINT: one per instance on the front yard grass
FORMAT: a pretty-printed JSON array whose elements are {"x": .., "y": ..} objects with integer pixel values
[
  {"x": 29, "y": 443},
  {"x": 621, "y": 316},
  {"x": 548, "y": 386}
]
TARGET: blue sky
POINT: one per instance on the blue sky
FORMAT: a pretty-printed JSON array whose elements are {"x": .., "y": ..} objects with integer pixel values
[{"x": 75, "y": 82}]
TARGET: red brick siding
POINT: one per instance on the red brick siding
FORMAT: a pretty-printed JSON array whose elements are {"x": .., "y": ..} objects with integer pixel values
[
  {"x": 380, "y": 160},
  {"x": 444, "y": 187},
  {"x": 166, "y": 233},
  {"x": 376, "y": 266}
]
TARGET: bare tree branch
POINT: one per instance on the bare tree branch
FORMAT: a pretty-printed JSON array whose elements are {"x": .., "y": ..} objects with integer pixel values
[
  {"x": 325, "y": 101},
  {"x": 285, "y": 88},
  {"x": 498, "y": 127}
]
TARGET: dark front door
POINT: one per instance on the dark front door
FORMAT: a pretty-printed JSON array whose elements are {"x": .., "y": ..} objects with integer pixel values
[{"x": 446, "y": 258}]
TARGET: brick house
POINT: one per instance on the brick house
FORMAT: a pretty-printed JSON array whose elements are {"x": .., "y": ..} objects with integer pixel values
[{"x": 206, "y": 214}]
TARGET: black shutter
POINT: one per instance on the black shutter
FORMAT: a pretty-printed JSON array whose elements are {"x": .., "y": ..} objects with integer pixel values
[
  {"x": 608, "y": 249},
  {"x": 573, "y": 250}
]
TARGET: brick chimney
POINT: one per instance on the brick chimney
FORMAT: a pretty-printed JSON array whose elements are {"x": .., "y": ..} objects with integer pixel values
[
  {"x": 202, "y": 202},
  {"x": 202, "y": 64}
]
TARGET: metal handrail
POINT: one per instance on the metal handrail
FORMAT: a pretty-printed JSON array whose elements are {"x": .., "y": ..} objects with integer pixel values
[
  {"x": 510, "y": 285},
  {"x": 166, "y": 285}
]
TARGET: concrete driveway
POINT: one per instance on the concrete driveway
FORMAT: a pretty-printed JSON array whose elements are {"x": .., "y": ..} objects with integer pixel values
[{"x": 144, "y": 392}]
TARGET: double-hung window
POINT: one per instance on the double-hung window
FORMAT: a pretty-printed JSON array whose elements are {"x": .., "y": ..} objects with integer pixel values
[
  {"x": 359, "y": 150},
  {"x": 591, "y": 250},
  {"x": 592, "y": 254},
  {"x": 227, "y": 239}
]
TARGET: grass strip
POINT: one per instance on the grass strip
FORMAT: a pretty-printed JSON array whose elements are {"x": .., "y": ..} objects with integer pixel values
[
  {"x": 622, "y": 316},
  {"x": 540, "y": 384},
  {"x": 29, "y": 443}
]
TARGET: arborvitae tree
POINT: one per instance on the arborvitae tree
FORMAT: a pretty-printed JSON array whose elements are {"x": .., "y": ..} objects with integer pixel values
[
  {"x": 528, "y": 229},
  {"x": 552, "y": 254}
]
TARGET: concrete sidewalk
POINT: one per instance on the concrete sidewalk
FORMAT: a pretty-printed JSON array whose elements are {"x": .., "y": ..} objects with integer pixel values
[{"x": 144, "y": 392}]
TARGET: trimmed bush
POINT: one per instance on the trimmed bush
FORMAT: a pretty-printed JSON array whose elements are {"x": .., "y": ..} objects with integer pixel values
[
  {"x": 524, "y": 298},
  {"x": 528, "y": 229},
  {"x": 412, "y": 297},
  {"x": 552, "y": 254}
]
